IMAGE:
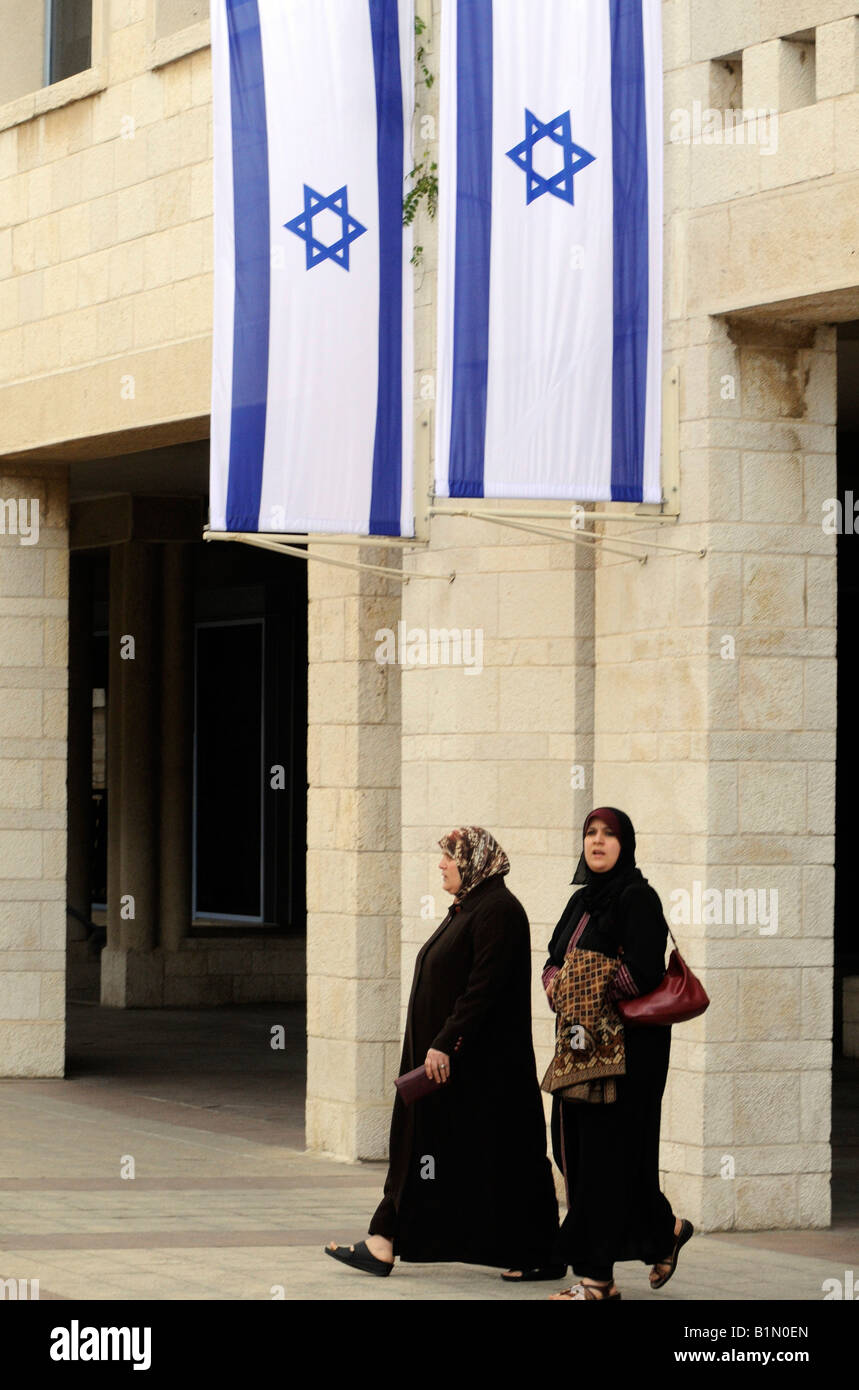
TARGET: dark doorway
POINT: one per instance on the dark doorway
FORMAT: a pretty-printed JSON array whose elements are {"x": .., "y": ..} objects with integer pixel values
[
  {"x": 250, "y": 756},
  {"x": 249, "y": 735}
]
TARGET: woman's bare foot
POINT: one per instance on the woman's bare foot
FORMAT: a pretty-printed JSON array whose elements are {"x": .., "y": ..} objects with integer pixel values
[
  {"x": 661, "y": 1266},
  {"x": 377, "y": 1245},
  {"x": 572, "y": 1295},
  {"x": 382, "y": 1248}
]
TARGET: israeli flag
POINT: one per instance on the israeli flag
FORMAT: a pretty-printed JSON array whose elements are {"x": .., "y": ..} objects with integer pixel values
[
  {"x": 312, "y": 353},
  {"x": 550, "y": 257}
]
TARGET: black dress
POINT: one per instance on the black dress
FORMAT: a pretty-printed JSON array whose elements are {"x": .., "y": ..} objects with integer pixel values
[
  {"x": 469, "y": 1179},
  {"x": 610, "y": 1153}
]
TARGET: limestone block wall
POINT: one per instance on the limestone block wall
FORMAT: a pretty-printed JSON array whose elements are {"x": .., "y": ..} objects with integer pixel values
[
  {"x": 772, "y": 724},
  {"x": 353, "y": 843},
  {"x": 507, "y": 744},
  {"x": 715, "y": 728},
  {"x": 106, "y": 238},
  {"x": 233, "y": 970},
  {"x": 496, "y": 731},
  {"x": 744, "y": 224},
  {"x": 761, "y": 236},
  {"x": 202, "y": 972},
  {"x": 33, "y": 641}
]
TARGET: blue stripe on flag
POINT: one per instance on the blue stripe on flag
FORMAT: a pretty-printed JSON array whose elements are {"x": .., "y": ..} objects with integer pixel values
[
  {"x": 386, "y": 493},
  {"x": 473, "y": 232},
  {"x": 629, "y": 155},
  {"x": 251, "y": 222}
]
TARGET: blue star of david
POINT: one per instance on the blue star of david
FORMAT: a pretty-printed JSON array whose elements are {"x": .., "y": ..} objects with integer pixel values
[
  {"x": 302, "y": 226},
  {"x": 575, "y": 158}
]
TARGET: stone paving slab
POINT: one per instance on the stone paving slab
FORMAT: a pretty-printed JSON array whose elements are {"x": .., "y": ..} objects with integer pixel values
[
  {"x": 253, "y": 1217},
  {"x": 226, "y": 1204}
]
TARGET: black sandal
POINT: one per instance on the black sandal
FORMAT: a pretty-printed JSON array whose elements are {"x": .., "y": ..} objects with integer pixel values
[
  {"x": 686, "y": 1230},
  {"x": 544, "y": 1272},
  {"x": 359, "y": 1257}
]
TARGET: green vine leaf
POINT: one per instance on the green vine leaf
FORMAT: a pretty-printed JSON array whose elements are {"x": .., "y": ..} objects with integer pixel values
[
  {"x": 424, "y": 177},
  {"x": 420, "y": 54},
  {"x": 424, "y": 186}
]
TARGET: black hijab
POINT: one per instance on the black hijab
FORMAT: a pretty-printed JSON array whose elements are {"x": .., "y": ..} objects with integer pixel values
[
  {"x": 600, "y": 893},
  {"x": 602, "y": 890}
]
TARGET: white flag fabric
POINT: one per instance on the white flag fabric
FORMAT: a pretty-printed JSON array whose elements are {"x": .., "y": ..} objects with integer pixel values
[
  {"x": 550, "y": 253},
  {"x": 312, "y": 352}
]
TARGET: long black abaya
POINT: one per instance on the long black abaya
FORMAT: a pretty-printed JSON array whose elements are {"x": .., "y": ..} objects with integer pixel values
[
  {"x": 469, "y": 1179},
  {"x": 610, "y": 1152}
]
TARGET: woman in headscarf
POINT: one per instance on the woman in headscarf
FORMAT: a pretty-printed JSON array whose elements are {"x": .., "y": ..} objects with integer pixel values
[
  {"x": 469, "y": 1179},
  {"x": 606, "y": 1080}
]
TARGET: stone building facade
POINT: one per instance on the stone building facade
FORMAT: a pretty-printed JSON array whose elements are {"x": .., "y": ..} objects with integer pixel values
[{"x": 697, "y": 690}]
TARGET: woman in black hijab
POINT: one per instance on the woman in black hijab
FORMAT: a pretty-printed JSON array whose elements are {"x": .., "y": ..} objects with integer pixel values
[{"x": 605, "y": 1136}]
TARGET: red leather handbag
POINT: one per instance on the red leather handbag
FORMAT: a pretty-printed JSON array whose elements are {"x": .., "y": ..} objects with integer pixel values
[{"x": 678, "y": 998}]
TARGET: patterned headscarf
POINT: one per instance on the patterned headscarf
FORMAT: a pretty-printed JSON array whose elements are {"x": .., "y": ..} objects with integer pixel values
[{"x": 476, "y": 854}]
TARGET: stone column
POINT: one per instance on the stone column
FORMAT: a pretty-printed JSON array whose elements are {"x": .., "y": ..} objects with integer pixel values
[
  {"x": 353, "y": 843},
  {"x": 506, "y": 740},
  {"x": 715, "y": 714},
  {"x": 131, "y": 973},
  {"x": 176, "y": 744},
  {"x": 771, "y": 802},
  {"x": 33, "y": 748}
]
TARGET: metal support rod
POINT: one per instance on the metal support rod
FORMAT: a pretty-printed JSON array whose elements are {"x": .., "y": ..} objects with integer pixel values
[
  {"x": 247, "y": 538},
  {"x": 575, "y": 538},
  {"x": 317, "y": 538},
  {"x": 627, "y": 540},
  {"x": 651, "y": 517}
]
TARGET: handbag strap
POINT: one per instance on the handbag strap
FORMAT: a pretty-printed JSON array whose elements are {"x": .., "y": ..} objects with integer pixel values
[{"x": 670, "y": 932}]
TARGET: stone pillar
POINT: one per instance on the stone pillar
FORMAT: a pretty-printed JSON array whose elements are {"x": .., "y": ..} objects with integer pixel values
[
  {"x": 33, "y": 746},
  {"x": 131, "y": 973},
  {"x": 504, "y": 741},
  {"x": 771, "y": 803},
  {"x": 353, "y": 844},
  {"x": 176, "y": 743},
  {"x": 715, "y": 715}
]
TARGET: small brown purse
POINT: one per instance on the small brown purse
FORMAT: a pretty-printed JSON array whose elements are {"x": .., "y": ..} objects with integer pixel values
[
  {"x": 414, "y": 1085},
  {"x": 678, "y": 998}
]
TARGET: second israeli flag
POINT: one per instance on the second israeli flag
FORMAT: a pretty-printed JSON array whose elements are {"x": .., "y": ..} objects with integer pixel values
[{"x": 550, "y": 258}]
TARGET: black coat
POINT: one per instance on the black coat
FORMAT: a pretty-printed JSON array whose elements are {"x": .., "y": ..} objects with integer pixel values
[
  {"x": 609, "y": 1154},
  {"x": 469, "y": 1179}
]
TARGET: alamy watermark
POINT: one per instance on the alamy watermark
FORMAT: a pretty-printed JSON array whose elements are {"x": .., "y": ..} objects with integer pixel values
[
  {"x": 840, "y": 518},
  {"x": 725, "y": 907},
  {"x": 435, "y": 646},
  {"x": 76, "y": 1343},
  {"x": 738, "y": 125},
  {"x": 19, "y": 516},
  {"x": 19, "y": 1288},
  {"x": 847, "y": 1287}
]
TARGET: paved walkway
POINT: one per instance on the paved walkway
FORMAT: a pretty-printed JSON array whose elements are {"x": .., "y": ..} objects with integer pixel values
[{"x": 225, "y": 1204}]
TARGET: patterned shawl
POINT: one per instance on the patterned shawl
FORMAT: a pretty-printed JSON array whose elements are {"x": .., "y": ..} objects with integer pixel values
[
  {"x": 589, "y": 1039},
  {"x": 476, "y": 854}
]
